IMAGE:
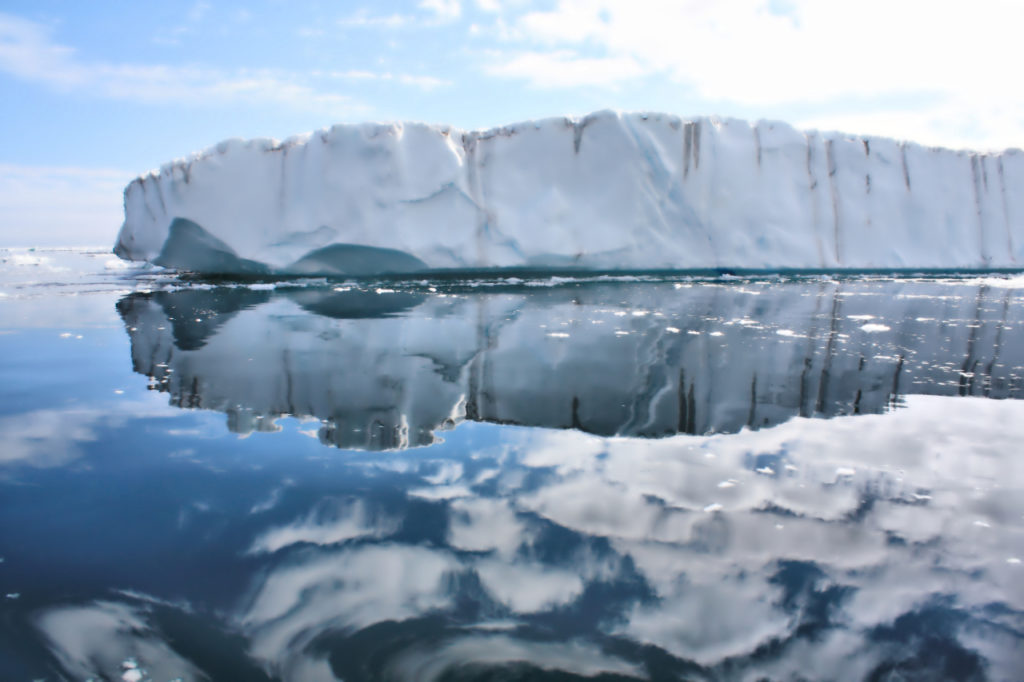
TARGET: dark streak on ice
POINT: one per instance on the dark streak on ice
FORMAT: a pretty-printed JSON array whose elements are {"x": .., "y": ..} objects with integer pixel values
[
  {"x": 696, "y": 144},
  {"x": 687, "y": 145},
  {"x": 577, "y": 132},
  {"x": 757, "y": 144},
  {"x": 810, "y": 160},
  {"x": 903, "y": 157},
  {"x": 830, "y": 157},
  {"x": 975, "y": 175},
  {"x": 160, "y": 195},
  {"x": 1006, "y": 210}
]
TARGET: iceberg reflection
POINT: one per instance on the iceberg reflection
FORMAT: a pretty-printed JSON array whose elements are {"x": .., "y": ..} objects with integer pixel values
[{"x": 381, "y": 368}]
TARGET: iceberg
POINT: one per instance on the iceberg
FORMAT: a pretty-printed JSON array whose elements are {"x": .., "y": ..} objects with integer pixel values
[{"x": 607, "y": 192}]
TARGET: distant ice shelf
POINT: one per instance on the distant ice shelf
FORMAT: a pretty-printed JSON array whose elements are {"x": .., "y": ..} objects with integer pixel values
[{"x": 606, "y": 192}]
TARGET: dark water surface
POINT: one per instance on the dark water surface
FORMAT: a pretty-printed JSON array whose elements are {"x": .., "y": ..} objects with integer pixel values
[{"x": 679, "y": 479}]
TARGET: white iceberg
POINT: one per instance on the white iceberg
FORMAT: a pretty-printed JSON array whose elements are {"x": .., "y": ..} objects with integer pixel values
[{"x": 607, "y": 192}]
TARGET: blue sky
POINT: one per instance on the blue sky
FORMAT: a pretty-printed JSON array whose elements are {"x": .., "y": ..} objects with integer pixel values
[{"x": 95, "y": 93}]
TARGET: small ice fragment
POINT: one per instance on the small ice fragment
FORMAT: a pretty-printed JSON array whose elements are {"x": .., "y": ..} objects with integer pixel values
[
  {"x": 727, "y": 484},
  {"x": 620, "y": 313},
  {"x": 672, "y": 330},
  {"x": 779, "y": 526},
  {"x": 382, "y": 290},
  {"x": 860, "y": 317},
  {"x": 982, "y": 524},
  {"x": 768, "y": 471},
  {"x": 716, "y": 334},
  {"x": 790, "y": 467},
  {"x": 713, "y": 507},
  {"x": 13, "y": 595},
  {"x": 872, "y": 327},
  {"x": 66, "y": 335},
  {"x": 640, "y": 313},
  {"x": 693, "y": 332},
  {"x": 919, "y": 496},
  {"x": 558, "y": 335},
  {"x": 1013, "y": 560},
  {"x": 132, "y": 675},
  {"x": 78, "y": 336},
  {"x": 785, "y": 332},
  {"x": 845, "y": 471},
  {"x": 621, "y": 332},
  {"x": 118, "y": 391}
]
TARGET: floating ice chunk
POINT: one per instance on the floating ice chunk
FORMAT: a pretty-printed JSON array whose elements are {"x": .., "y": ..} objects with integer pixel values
[
  {"x": 872, "y": 327},
  {"x": 845, "y": 471},
  {"x": 713, "y": 507}
]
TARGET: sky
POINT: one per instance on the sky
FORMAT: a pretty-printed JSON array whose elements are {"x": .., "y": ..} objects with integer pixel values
[{"x": 93, "y": 94}]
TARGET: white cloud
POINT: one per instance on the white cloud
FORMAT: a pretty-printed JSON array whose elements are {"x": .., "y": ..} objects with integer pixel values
[
  {"x": 743, "y": 51},
  {"x": 444, "y": 10},
  {"x": 197, "y": 12},
  {"x": 27, "y": 52},
  {"x": 565, "y": 68},
  {"x": 420, "y": 81},
  {"x": 362, "y": 18}
]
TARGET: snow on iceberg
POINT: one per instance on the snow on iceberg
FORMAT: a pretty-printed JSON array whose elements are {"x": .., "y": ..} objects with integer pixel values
[{"x": 606, "y": 192}]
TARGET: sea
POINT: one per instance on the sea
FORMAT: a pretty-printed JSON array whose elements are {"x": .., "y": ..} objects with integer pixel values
[{"x": 509, "y": 477}]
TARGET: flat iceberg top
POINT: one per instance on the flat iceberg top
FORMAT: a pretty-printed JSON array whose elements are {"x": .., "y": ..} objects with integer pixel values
[{"x": 605, "y": 192}]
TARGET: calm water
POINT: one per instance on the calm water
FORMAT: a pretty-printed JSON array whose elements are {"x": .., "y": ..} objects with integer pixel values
[{"x": 607, "y": 479}]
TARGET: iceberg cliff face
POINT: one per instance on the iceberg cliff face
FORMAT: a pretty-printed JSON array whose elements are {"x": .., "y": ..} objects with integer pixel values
[{"x": 609, "y": 191}]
